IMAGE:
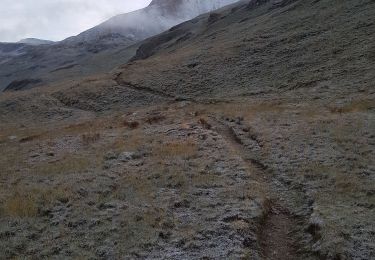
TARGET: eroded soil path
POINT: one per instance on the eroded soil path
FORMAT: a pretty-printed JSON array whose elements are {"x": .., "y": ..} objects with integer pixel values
[{"x": 277, "y": 236}]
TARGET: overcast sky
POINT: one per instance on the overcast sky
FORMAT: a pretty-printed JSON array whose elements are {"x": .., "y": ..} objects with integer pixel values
[{"x": 57, "y": 19}]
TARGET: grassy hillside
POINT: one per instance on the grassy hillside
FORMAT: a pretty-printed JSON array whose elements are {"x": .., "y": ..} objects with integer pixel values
[
  {"x": 308, "y": 48},
  {"x": 243, "y": 134}
]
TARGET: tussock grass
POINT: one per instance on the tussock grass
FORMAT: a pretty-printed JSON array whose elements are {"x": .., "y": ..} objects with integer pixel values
[
  {"x": 21, "y": 205},
  {"x": 27, "y": 203}
]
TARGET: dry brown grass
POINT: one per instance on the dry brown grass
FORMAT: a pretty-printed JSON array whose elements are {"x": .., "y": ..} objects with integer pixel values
[
  {"x": 247, "y": 110},
  {"x": 49, "y": 131},
  {"x": 206, "y": 179},
  {"x": 137, "y": 189},
  {"x": 143, "y": 226},
  {"x": 90, "y": 138},
  {"x": 48, "y": 196},
  {"x": 22, "y": 134},
  {"x": 204, "y": 123},
  {"x": 69, "y": 164},
  {"x": 21, "y": 205},
  {"x": 94, "y": 125},
  {"x": 30, "y": 138},
  {"x": 343, "y": 183},
  {"x": 78, "y": 128},
  {"x": 250, "y": 110},
  {"x": 26, "y": 203},
  {"x": 155, "y": 119},
  {"x": 172, "y": 149},
  {"x": 130, "y": 141},
  {"x": 354, "y": 106},
  {"x": 131, "y": 124},
  {"x": 15, "y": 159},
  {"x": 346, "y": 184},
  {"x": 346, "y": 131}
]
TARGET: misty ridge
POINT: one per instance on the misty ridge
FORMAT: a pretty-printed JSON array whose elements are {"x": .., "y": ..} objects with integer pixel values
[
  {"x": 45, "y": 61},
  {"x": 159, "y": 16}
]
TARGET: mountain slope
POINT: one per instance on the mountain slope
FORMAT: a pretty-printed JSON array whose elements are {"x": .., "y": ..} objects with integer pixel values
[
  {"x": 77, "y": 56},
  {"x": 263, "y": 50}
]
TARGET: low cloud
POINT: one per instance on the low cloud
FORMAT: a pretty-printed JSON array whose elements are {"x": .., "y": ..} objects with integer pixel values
[{"x": 57, "y": 19}]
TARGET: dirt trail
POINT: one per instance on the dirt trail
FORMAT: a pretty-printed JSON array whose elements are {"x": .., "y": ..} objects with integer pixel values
[
  {"x": 277, "y": 231},
  {"x": 276, "y": 234}
]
